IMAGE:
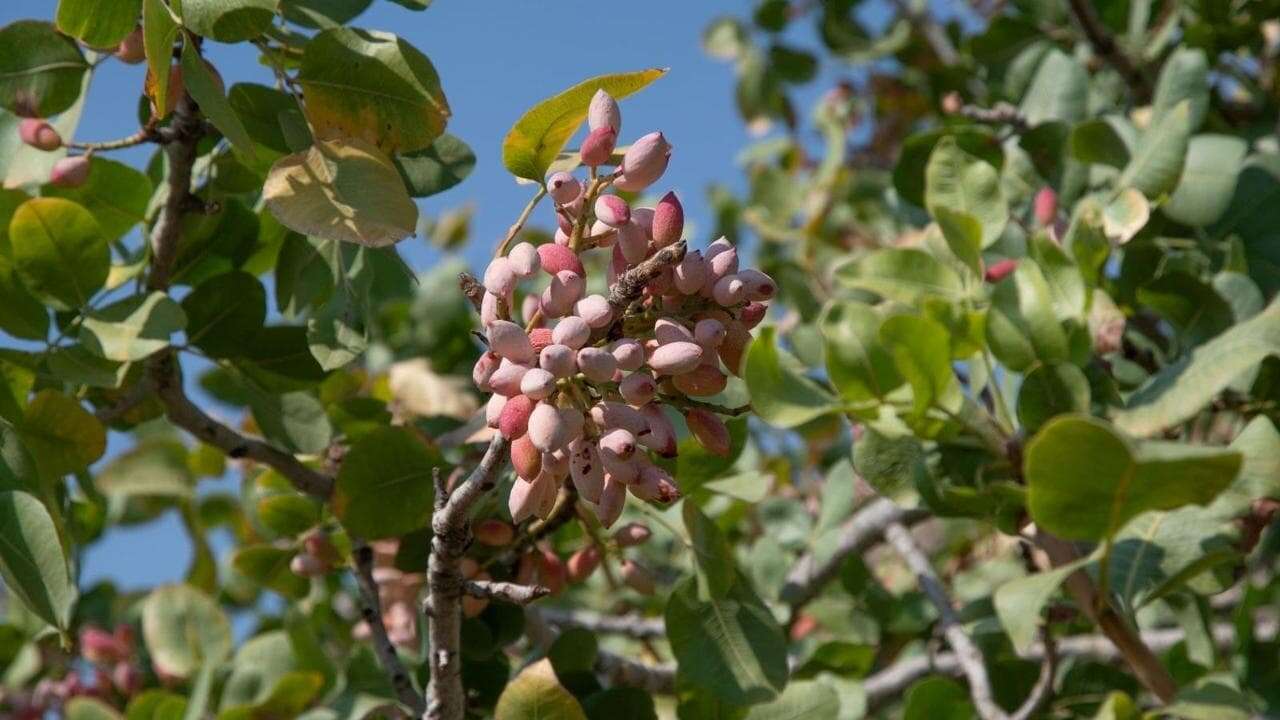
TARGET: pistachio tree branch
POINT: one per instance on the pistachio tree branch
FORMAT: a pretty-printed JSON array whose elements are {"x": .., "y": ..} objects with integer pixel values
[
  {"x": 811, "y": 574},
  {"x": 630, "y": 284},
  {"x": 371, "y": 612},
  {"x": 184, "y": 133},
  {"x": 1108, "y": 49},
  {"x": 636, "y": 626},
  {"x": 509, "y": 592},
  {"x": 616, "y": 670},
  {"x": 146, "y": 134},
  {"x": 967, "y": 654},
  {"x": 446, "y": 699}
]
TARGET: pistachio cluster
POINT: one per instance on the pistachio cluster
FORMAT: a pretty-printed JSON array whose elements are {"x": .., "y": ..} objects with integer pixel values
[{"x": 584, "y": 385}]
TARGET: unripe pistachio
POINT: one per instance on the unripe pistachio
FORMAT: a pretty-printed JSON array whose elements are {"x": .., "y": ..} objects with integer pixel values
[
  {"x": 597, "y": 364},
  {"x": 612, "y": 499},
  {"x": 101, "y": 647},
  {"x": 1046, "y": 206},
  {"x": 547, "y": 488},
  {"x": 538, "y": 384},
  {"x": 675, "y": 358},
  {"x": 604, "y": 112},
  {"x": 595, "y": 310},
  {"x": 126, "y": 678},
  {"x": 514, "y": 420},
  {"x": 510, "y": 341},
  {"x": 663, "y": 283},
  {"x": 691, "y": 273},
  {"x": 632, "y": 534},
  {"x": 524, "y": 259},
  {"x": 562, "y": 237},
  {"x": 489, "y": 311},
  {"x": 729, "y": 290},
  {"x": 539, "y": 338},
  {"x": 307, "y": 566},
  {"x": 70, "y": 171},
  {"x": 661, "y": 435},
  {"x": 709, "y": 333},
  {"x": 609, "y": 414},
  {"x": 644, "y": 162},
  {"x": 499, "y": 277},
  {"x": 572, "y": 331},
  {"x": 618, "y": 443},
  {"x": 734, "y": 348},
  {"x": 484, "y": 368},
  {"x": 131, "y": 50},
  {"x": 507, "y": 378},
  {"x": 598, "y": 146},
  {"x": 655, "y": 484},
  {"x": 643, "y": 216},
  {"x": 632, "y": 243},
  {"x": 752, "y": 314},
  {"x": 493, "y": 532},
  {"x": 522, "y": 500},
  {"x": 493, "y": 409},
  {"x": 547, "y": 430},
  {"x": 637, "y": 388},
  {"x": 559, "y": 360},
  {"x": 999, "y": 270},
  {"x": 759, "y": 285},
  {"x": 702, "y": 381},
  {"x": 624, "y": 472},
  {"x": 628, "y": 353},
  {"x": 604, "y": 235},
  {"x": 637, "y": 577},
  {"x": 556, "y": 464},
  {"x": 550, "y": 308},
  {"x": 315, "y": 544},
  {"x": 612, "y": 211},
  {"x": 573, "y": 421},
  {"x": 723, "y": 263},
  {"x": 710, "y": 431},
  {"x": 564, "y": 188},
  {"x": 530, "y": 306},
  {"x": 39, "y": 134},
  {"x": 526, "y": 459},
  {"x": 668, "y": 221},
  {"x": 566, "y": 288},
  {"x": 558, "y": 258},
  {"x": 551, "y": 570},
  {"x": 666, "y": 330},
  {"x": 585, "y": 469},
  {"x": 582, "y": 563}
]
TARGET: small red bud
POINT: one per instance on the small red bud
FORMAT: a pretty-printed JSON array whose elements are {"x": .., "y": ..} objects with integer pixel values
[
  {"x": 1046, "y": 206},
  {"x": 598, "y": 146},
  {"x": 39, "y": 134},
  {"x": 70, "y": 172},
  {"x": 1000, "y": 270},
  {"x": 582, "y": 564},
  {"x": 493, "y": 532}
]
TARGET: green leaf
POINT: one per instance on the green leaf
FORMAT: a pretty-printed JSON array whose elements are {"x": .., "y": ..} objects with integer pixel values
[
  {"x": 447, "y": 162},
  {"x": 322, "y": 14},
  {"x": 781, "y": 395},
  {"x": 341, "y": 190},
  {"x": 259, "y": 108},
  {"x": 1051, "y": 390},
  {"x": 902, "y": 274},
  {"x": 222, "y": 311},
  {"x": 228, "y": 21},
  {"x": 909, "y": 173},
  {"x": 963, "y": 234},
  {"x": 1101, "y": 141},
  {"x": 133, "y": 328},
  {"x": 338, "y": 334},
  {"x": 536, "y": 694},
  {"x": 1018, "y": 603},
  {"x": 1208, "y": 180},
  {"x": 288, "y": 514},
  {"x": 156, "y": 705},
  {"x": 619, "y": 703},
  {"x": 1191, "y": 305},
  {"x": 184, "y": 629},
  {"x": 1181, "y": 389},
  {"x": 78, "y": 366},
  {"x": 540, "y": 134},
  {"x": 384, "y": 487},
  {"x": 40, "y": 69},
  {"x": 697, "y": 467},
  {"x": 860, "y": 367},
  {"x": 921, "y": 349},
  {"x": 1022, "y": 327},
  {"x": 965, "y": 183},
  {"x": 1066, "y": 282},
  {"x": 1058, "y": 91},
  {"x": 730, "y": 646},
  {"x": 98, "y": 24},
  {"x": 1157, "y": 161},
  {"x": 711, "y": 553},
  {"x": 116, "y": 194},
  {"x": 269, "y": 567},
  {"x": 1121, "y": 481},
  {"x": 937, "y": 698},
  {"x": 155, "y": 468},
  {"x": 1118, "y": 706},
  {"x": 886, "y": 462},
  {"x": 306, "y": 272},
  {"x": 296, "y": 420},
  {"x": 59, "y": 251},
  {"x": 207, "y": 90},
  {"x": 372, "y": 87},
  {"x": 810, "y": 700},
  {"x": 24, "y": 316},
  {"x": 61, "y": 435},
  {"x": 88, "y": 708},
  {"x": 32, "y": 562},
  {"x": 159, "y": 31},
  {"x": 1184, "y": 76}
]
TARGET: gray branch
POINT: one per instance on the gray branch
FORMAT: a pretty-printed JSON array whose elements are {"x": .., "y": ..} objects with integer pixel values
[
  {"x": 513, "y": 593},
  {"x": 371, "y": 611},
  {"x": 644, "y": 628}
]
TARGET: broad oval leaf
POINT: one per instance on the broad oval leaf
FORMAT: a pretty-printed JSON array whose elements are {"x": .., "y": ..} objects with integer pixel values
[
  {"x": 780, "y": 393},
  {"x": 59, "y": 251},
  {"x": 89, "y": 708},
  {"x": 1184, "y": 76},
  {"x": 1126, "y": 214},
  {"x": 536, "y": 694},
  {"x": 921, "y": 349},
  {"x": 965, "y": 183},
  {"x": 159, "y": 31},
  {"x": 32, "y": 561},
  {"x": 384, "y": 487},
  {"x": 372, "y": 86},
  {"x": 228, "y": 21},
  {"x": 61, "y": 435},
  {"x": 40, "y": 69},
  {"x": 341, "y": 190},
  {"x": 116, "y": 194},
  {"x": 902, "y": 274},
  {"x": 1157, "y": 161},
  {"x": 133, "y": 328},
  {"x": 1018, "y": 602},
  {"x": 207, "y": 90},
  {"x": 447, "y": 162},
  {"x": 1208, "y": 180},
  {"x": 860, "y": 366},
  {"x": 1022, "y": 327},
  {"x": 540, "y": 134},
  {"x": 1094, "y": 500},
  {"x": 268, "y": 566},
  {"x": 156, "y": 705},
  {"x": 98, "y": 24},
  {"x": 223, "y": 310},
  {"x": 1058, "y": 92},
  {"x": 1050, "y": 390},
  {"x": 810, "y": 700},
  {"x": 184, "y": 629}
]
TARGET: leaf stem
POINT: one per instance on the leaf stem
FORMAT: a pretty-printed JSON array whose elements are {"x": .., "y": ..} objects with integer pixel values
[{"x": 515, "y": 229}]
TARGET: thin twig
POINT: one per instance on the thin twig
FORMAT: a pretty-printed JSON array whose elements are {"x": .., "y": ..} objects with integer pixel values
[
  {"x": 691, "y": 404},
  {"x": 371, "y": 611},
  {"x": 1108, "y": 49},
  {"x": 634, "y": 626},
  {"x": 967, "y": 653},
  {"x": 516, "y": 227},
  {"x": 146, "y": 134},
  {"x": 513, "y": 593},
  {"x": 630, "y": 284},
  {"x": 617, "y": 670},
  {"x": 446, "y": 698}
]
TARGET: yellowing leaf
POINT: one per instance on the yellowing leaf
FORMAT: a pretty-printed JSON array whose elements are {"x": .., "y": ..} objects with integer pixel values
[
  {"x": 341, "y": 190},
  {"x": 536, "y": 139}
]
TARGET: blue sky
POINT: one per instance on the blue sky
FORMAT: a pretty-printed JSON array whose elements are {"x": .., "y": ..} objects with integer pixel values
[{"x": 496, "y": 59}]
